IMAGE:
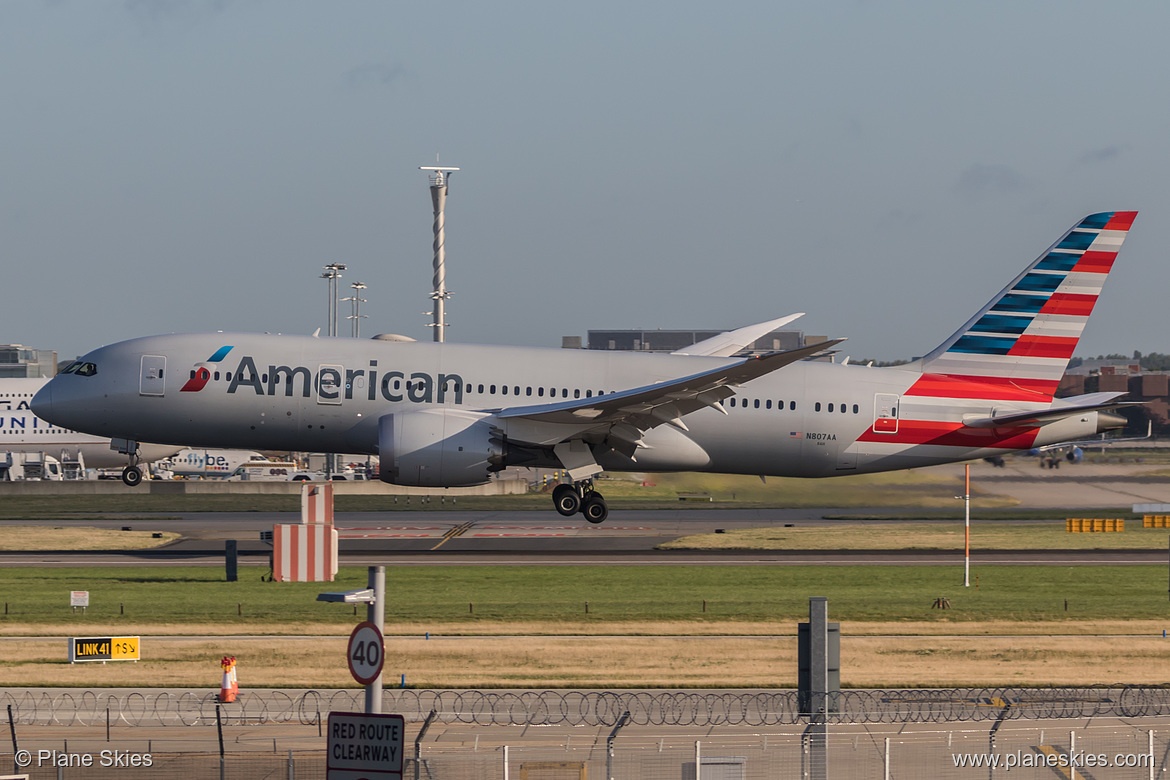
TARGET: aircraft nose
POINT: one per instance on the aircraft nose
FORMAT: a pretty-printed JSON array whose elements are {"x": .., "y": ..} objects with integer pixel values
[{"x": 42, "y": 403}]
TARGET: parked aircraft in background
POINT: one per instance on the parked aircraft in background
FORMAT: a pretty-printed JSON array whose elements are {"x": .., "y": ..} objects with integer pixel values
[
  {"x": 23, "y": 431},
  {"x": 205, "y": 463},
  {"x": 452, "y": 414}
]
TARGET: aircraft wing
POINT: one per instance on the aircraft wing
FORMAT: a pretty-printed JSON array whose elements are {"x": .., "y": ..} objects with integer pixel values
[
  {"x": 728, "y": 343},
  {"x": 1093, "y": 402},
  {"x": 645, "y": 407}
]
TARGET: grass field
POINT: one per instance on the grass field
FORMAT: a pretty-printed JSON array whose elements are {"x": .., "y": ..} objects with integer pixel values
[
  {"x": 478, "y": 597},
  {"x": 988, "y": 535},
  {"x": 527, "y": 626},
  {"x": 78, "y": 537}
]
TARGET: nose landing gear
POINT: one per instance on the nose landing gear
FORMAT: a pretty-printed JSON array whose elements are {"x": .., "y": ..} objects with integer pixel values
[
  {"x": 132, "y": 474},
  {"x": 580, "y": 497}
]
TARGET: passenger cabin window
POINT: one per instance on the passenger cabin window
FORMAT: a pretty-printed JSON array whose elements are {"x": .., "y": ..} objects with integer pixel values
[{"x": 817, "y": 407}]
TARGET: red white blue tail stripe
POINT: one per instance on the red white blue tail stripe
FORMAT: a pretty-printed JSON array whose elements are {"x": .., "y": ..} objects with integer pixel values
[{"x": 1018, "y": 346}]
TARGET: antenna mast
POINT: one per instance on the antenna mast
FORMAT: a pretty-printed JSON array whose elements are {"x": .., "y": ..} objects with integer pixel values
[{"x": 440, "y": 295}]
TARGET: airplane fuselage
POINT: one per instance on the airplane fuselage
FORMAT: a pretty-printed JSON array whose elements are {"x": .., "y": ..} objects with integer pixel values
[{"x": 812, "y": 419}]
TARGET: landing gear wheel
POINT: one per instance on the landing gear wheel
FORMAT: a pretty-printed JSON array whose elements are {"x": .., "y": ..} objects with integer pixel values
[
  {"x": 594, "y": 508},
  {"x": 132, "y": 476},
  {"x": 566, "y": 500}
]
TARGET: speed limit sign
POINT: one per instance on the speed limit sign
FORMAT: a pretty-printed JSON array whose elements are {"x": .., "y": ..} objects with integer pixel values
[{"x": 365, "y": 653}]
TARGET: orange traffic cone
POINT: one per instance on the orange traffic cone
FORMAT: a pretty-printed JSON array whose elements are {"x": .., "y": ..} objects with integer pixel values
[{"x": 229, "y": 688}]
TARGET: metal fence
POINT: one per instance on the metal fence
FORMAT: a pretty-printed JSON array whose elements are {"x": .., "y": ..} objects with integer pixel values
[
  {"x": 589, "y": 708},
  {"x": 1117, "y": 751}
]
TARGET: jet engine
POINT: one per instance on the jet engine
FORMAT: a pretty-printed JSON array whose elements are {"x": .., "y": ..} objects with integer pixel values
[{"x": 438, "y": 448}]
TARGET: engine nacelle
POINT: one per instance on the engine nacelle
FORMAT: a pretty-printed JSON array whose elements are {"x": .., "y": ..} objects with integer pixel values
[{"x": 438, "y": 448}]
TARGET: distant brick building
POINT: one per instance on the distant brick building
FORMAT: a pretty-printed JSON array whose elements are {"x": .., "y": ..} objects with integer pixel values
[{"x": 1152, "y": 389}]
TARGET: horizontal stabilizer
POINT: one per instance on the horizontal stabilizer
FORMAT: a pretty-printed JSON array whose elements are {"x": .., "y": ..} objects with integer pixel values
[
  {"x": 1081, "y": 404},
  {"x": 728, "y": 343}
]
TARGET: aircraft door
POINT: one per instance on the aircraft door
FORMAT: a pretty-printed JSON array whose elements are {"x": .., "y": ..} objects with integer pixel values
[
  {"x": 330, "y": 384},
  {"x": 152, "y": 379},
  {"x": 885, "y": 412}
]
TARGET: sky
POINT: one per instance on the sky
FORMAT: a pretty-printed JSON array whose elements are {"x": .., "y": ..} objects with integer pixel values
[{"x": 885, "y": 167}]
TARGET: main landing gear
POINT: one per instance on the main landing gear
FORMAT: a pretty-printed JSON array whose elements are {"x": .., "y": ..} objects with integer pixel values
[{"x": 580, "y": 497}]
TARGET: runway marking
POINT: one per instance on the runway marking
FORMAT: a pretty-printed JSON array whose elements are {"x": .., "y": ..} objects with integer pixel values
[
  {"x": 514, "y": 536},
  {"x": 458, "y": 530},
  {"x": 385, "y": 536},
  {"x": 568, "y": 527},
  {"x": 393, "y": 528}
]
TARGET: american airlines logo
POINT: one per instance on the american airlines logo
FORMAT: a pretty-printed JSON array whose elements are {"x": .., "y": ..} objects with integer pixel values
[
  {"x": 202, "y": 373},
  {"x": 333, "y": 382}
]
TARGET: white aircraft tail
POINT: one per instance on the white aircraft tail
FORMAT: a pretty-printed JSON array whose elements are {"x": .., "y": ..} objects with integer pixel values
[{"x": 1017, "y": 347}]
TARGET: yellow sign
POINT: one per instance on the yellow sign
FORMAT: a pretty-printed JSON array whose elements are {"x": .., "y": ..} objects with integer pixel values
[{"x": 106, "y": 648}]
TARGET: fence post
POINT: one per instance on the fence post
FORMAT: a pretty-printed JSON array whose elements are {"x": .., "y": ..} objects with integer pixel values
[
  {"x": 15, "y": 749},
  {"x": 418, "y": 745},
  {"x": 219, "y": 730},
  {"x": 886, "y": 772},
  {"x": 1072, "y": 749},
  {"x": 505, "y": 762},
  {"x": 1151, "y": 754},
  {"x": 623, "y": 720},
  {"x": 698, "y": 760},
  {"x": 292, "y": 767}
]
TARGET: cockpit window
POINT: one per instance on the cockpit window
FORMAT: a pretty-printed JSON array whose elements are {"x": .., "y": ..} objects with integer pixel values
[
  {"x": 69, "y": 369},
  {"x": 85, "y": 369}
]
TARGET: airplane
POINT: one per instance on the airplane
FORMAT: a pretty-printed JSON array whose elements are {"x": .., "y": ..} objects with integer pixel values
[
  {"x": 444, "y": 415},
  {"x": 205, "y": 463},
  {"x": 21, "y": 430}
]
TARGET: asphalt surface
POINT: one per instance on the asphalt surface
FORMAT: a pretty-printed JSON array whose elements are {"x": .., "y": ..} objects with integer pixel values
[{"x": 438, "y": 537}]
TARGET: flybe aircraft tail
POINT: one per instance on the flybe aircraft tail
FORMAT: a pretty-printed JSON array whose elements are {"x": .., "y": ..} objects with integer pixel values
[{"x": 1018, "y": 346}]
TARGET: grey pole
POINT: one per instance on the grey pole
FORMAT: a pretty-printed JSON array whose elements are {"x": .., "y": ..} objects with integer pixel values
[
  {"x": 376, "y": 614},
  {"x": 818, "y": 729},
  {"x": 440, "y": 294}
]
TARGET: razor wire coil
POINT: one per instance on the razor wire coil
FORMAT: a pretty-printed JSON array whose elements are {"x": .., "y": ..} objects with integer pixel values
[{"x": 589, "y": 707}]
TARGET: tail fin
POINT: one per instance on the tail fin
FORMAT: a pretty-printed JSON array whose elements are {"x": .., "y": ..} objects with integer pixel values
[{"x": 1022, "y": 340}]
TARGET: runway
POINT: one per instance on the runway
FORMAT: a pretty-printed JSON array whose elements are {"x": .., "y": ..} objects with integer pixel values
[{"x": 447, "y": 538}]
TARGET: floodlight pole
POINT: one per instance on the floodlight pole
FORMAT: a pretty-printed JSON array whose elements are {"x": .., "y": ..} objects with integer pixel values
[
  {"x": 967, "y": 526},
  {"x": 439, "y": 177},
  {"x": 356, "y": 300}
]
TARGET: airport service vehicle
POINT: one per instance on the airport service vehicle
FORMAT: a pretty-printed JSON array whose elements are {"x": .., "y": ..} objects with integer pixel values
[
  {"x": 447, "y": 414},
  {"x": 21, "y": 430},
  {"x": 22, "y": 466},
  {"x": 265, "y": 471}
]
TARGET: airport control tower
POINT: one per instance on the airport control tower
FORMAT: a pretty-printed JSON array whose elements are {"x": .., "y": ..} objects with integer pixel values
[{"x": 438, "y": 179}]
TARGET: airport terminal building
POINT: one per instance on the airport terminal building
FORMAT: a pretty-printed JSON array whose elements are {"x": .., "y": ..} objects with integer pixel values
[
  {"x": 20, "y": 361},
  {"x": 660, "y": 340}
]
